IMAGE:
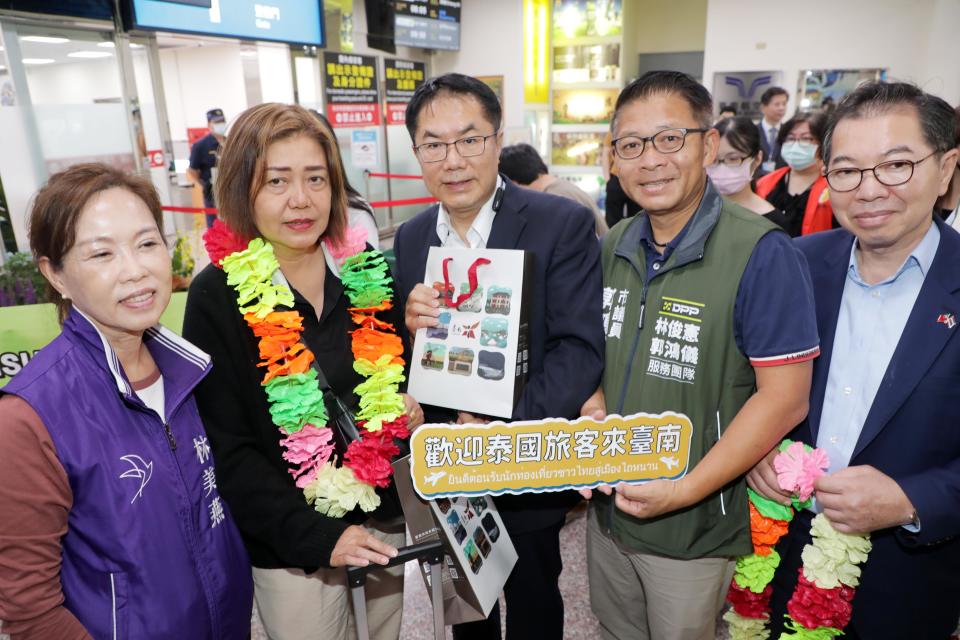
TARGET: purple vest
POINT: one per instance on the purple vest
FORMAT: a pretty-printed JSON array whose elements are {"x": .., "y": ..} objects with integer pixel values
[{"x": 151, "y": 550}]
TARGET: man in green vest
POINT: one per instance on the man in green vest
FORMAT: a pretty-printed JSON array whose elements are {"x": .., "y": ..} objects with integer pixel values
[{"x": 708, "y": 312}]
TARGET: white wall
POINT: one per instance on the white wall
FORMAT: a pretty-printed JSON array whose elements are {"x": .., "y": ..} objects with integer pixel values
[
  {"x": 276, "y": 77},
  {"x": 74, "y": 82},
  {"x": 915, "y": 41},
  {"x": 491, "y": 44},
  {"x": 197, "y": 79}
]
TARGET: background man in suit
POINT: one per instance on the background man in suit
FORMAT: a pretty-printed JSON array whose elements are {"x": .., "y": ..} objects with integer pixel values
[
  {"x": 454, "y": 121},
  {"x": 773, "y": 105},
  {"x": 884, "y": 403}
]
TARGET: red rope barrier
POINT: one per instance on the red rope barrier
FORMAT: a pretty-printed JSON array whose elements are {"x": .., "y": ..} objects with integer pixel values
[
  {"x": 401, "y": 203},
  {"x": 395, "y": 176},
  {"x": 189, "y": 210}
]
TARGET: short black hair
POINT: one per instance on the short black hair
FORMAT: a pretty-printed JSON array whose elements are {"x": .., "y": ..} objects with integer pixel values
[
  {"x": 815, "y": 120},
  {"x": 938, "y": 121},
  {"x": 665, "y": 82},
  {"x": 741, "y": 133},
  {"x": 728, "y": 108},
  {"x": 772, "y": 93},
  {"x": 457, "y": 84},
  {"x": 521, "y": 163}
]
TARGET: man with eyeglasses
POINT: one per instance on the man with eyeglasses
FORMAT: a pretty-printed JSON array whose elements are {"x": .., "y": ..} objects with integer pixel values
[
  {"x": 885, "y": 403},
  {"x": 712, "y": 317},
  {"x": 454, "y": 122}
]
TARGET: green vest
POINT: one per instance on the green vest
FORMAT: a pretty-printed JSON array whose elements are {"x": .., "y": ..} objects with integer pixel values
[{"x": 681, "y": 356}]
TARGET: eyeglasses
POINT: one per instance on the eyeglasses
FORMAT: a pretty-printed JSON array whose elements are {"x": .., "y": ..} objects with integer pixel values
[
  {"x": 666, "y": 141},
  {"x": 731, "y": 161},
  {"x": 466, "y": 147},
  {"x": 806, "y": 139},
  {"x": 891, "y": 173}
]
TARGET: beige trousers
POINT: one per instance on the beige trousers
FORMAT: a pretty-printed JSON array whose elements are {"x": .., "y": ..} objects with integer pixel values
[
  {"x": 297, "y": 606},
  {"x": 637, "y": 596}
]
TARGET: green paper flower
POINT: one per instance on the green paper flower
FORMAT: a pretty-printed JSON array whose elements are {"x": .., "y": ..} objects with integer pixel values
[
  {"x": 754, "y": 572},
  {"x": 295, "y": 400},
  {"x": 797, "y": 630},
  {"x": 250, "y": 273},
  {"x": 366, "y": 279},
  {"x": 769, "y": 508}
]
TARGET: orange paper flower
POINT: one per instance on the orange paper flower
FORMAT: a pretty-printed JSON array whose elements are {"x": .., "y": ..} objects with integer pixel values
[
  {"x": 370, "y": 344},
  {"x": 765, "y": 532},
  {"x": 300, "y": 363}
]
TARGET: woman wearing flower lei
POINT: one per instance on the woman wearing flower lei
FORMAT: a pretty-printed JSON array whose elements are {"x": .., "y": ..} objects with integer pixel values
[{"x": 293, "y": 297}]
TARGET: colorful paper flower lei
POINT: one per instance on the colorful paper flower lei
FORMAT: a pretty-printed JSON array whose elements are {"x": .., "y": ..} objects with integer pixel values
[
  {"x": 290, "y": 382},
  {"x": 797, "y": 466}
]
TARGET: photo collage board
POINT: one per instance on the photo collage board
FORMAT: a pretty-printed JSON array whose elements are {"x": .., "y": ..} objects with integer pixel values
[{"x": 476, "y": 358}]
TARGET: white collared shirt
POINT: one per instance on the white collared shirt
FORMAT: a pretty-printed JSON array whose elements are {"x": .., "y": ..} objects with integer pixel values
[{"x": 479, "y": 232}]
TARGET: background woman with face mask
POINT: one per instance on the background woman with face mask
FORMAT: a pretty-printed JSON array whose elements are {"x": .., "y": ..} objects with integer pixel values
[
  {"x": 799, "y": 189},
  {"x": 738, "y": 157}
]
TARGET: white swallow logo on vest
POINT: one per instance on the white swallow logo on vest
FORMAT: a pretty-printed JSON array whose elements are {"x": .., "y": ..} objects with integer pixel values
[{"x": 140, "y": 469}]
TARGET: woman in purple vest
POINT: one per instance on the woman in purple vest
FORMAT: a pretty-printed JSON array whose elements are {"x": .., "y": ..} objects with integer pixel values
[{"x": 111, "y": 524}]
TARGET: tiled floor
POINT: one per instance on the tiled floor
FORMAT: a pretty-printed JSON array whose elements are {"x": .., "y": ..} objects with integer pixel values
[{"x": 579, "y": 622}]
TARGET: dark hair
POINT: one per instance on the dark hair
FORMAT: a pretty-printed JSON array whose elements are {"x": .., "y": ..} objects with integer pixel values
[
  {"x": 457, "y": 84},
  {"x": 772, "y": 93},
  {"x": 666, "y": 82},
  {"x": 242, "y": 164},
  {"x": 57, "y": 207},
  {"x": 816, "y": 121},
  {"x": 354, "y": 199},
  {"x": 956, "y": 122},
  {"x": 728, "y": 108},
  {"x": 937, "y": 118},
  {"x": 741, "y": 133},
  {"x": 521, "y": 163}
]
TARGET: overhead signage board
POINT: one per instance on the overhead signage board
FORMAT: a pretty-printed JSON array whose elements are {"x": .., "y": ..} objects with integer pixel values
[
  {"x": 403, "y": 77},
  {"x": 290, "y": 21},
  {"x": 351, "y": 87},
  {"x": 429, "y": 24}
]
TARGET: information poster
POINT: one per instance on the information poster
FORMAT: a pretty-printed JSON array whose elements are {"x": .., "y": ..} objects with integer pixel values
[
  {"x": 403, "y": 78},
  {"x": 351, "y": 87},
  {"x": 364, "y": 148}
]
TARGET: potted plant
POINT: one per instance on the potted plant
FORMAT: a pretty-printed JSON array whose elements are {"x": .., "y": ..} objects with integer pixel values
[
  {"x": 182, "y": 263},
  {"x": 21, "y": 281}
]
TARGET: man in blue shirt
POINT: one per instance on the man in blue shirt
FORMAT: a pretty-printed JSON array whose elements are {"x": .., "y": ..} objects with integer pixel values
[
  {"x": 734, "y": 357},
  {"x": 885, "y": 403},
  {"x": 203, "y": 158}
]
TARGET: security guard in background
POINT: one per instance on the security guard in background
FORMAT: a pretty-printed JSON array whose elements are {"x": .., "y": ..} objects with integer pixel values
[{"x": 203, "y": 158}]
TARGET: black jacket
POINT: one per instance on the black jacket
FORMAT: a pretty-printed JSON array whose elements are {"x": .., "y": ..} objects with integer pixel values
[
  {"x": 279, "y": 528},
  {"x": 566, "y": 327}
]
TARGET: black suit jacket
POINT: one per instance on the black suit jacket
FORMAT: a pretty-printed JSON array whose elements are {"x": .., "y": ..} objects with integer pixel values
[
  {"x": 566, "y": 333},
  {"x": 910, "y": 587}
]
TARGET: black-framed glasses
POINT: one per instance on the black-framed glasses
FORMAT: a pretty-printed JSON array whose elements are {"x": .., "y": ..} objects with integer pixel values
[
  {"x": 891, "y": 173},
  {"x": 666, "y": 141},
  {"x": 731, "y": 161},
  {"x": 466, "y": 147}
]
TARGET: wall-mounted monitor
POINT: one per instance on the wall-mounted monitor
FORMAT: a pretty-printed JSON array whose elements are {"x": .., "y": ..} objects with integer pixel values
[
  {"x": 290, "y": 21},
  {"x": 95, "y": 9},
  {"x": 428, "y": 24}
]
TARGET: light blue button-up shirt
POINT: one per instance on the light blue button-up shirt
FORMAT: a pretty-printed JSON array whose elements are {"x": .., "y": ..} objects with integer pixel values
[{"x": 871, "y": 321}]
